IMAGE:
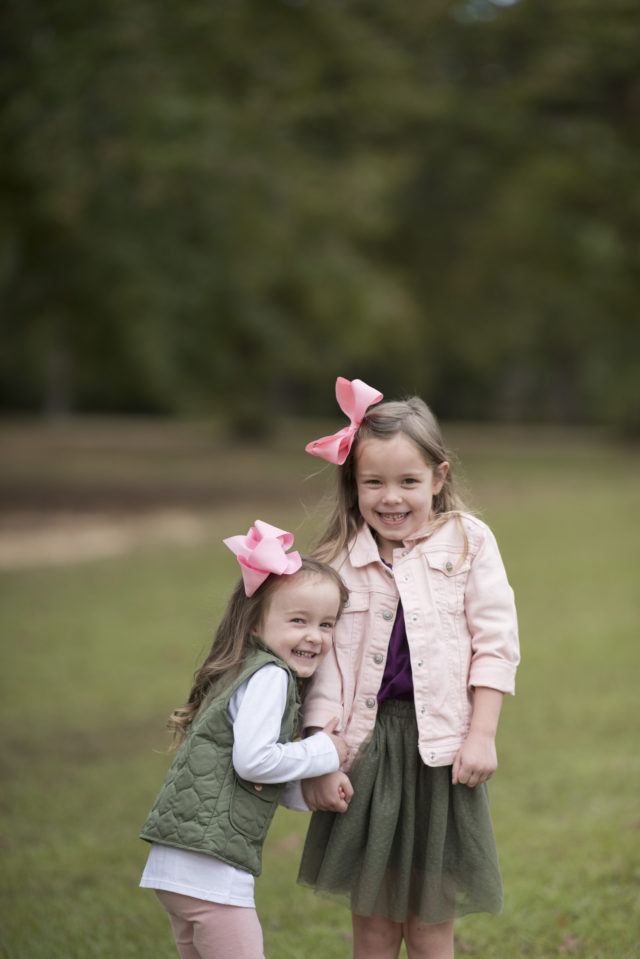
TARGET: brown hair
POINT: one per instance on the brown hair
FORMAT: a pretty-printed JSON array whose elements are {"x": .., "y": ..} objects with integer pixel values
[
  {"x": 414, "y": 419},
  {"x": 235, "y": 639}
]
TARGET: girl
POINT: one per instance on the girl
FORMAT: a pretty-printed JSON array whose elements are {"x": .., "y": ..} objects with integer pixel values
[
  {"x": 422, "y": 657},
  {"x": 209, "y": 821}
]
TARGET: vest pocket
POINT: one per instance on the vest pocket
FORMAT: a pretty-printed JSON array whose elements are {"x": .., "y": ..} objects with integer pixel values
[{"x": 253, "y": 806}]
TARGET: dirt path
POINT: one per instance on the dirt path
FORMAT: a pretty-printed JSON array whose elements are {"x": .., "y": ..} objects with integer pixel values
[
  {"x": 30, "y": 540},
  {"x": 92, "y": 488}
]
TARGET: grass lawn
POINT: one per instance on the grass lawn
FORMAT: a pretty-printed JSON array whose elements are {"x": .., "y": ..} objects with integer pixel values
[{"x": 96, "y": 654}]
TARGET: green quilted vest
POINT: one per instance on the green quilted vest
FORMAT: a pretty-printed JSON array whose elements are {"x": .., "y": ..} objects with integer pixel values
[{"x": 203, "y": 805}]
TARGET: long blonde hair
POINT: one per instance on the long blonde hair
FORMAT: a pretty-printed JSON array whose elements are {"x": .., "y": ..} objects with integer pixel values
[
  {"x": 235, "y": 639},
  {"x": 414, "y": 419}
]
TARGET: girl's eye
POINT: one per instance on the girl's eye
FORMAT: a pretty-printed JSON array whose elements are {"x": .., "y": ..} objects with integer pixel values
[
  {"x": 326, "y": 625},
  {"x": 297, "y": 619},
  {"x": 411, "y": 481}
]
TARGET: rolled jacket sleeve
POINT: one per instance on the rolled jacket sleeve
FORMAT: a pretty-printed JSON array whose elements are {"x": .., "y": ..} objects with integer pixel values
[{"x": 492, "y": 621}]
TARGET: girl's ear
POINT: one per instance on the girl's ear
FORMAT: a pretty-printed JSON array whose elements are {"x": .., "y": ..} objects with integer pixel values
[{"x": 439, "y": 476}]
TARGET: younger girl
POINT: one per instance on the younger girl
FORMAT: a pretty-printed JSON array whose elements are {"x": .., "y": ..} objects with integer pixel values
[
  {"x": 421, "y": 659},
  {"x": 209, "y": 821}
]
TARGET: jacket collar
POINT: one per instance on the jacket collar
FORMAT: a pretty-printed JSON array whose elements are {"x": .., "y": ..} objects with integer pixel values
[{"x": 363, "y": 549}]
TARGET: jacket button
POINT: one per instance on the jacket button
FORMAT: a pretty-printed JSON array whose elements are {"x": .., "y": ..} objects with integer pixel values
[
  {"x": 387, "y": 614},
  {"x": 415, "y": 618},
  {"x": 432, "y": 756},
  {"x": 370, "y": 702},
  {"x": 378, "y": 658},
  {"x": 449, "y": 566},
  {"x": 347, "y": 604},
  {"x": 419, "y": 662}
]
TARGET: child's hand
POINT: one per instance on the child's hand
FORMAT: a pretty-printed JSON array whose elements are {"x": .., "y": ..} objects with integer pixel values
[
  {"x": 340, "y": 744},
  {"x": 476, "y": 760},
  {"x": 331, "y": 792}
]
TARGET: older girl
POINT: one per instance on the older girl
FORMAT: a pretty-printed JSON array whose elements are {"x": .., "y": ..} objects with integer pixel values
[{"x": 426, "y": 650}]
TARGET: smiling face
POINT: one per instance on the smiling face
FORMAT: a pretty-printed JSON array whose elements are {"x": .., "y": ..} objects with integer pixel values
[
  {"x": 396, "y": 487},
  {"x": 299, "y": 621}
]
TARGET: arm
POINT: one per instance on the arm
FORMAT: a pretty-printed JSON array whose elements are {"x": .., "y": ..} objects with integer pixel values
[
  {"x": 331, "y": 792},
  {"x": 491, "y": 618},
  {"x": 477, "y": 760},
  {"x": 495, "y": 654},
  {"x": 256, "y": 711}
]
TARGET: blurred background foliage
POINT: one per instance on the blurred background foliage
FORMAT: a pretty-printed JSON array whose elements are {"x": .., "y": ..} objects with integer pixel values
[{"x": 223, "y": 204}]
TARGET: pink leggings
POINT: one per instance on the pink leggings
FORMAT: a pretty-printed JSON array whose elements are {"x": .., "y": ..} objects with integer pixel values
[{"x": 211, "y": 930}]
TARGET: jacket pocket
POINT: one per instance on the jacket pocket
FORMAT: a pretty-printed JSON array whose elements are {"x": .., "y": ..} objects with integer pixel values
[
  {"x": 356, "y": 606},
  {"x": 253, "y": 806},
  {"x": 449, "y": 571}
]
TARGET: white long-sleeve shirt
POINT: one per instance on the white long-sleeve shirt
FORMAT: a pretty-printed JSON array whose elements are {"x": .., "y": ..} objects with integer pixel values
[{"x": 255, "y": 709}]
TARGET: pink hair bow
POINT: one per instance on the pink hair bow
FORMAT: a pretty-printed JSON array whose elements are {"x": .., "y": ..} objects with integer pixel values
[
  {"x": 354, "y": 398},
  {"x": 262, "y": 552}
]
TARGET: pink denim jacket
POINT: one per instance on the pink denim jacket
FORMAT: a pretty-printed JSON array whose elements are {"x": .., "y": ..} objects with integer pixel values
[{"x": 461, "y": 627}]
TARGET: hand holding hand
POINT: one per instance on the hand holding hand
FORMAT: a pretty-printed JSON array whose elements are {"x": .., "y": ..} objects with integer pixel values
[
  {"x": 341, "y": 747},
  {"x": 331, "y": 792}
]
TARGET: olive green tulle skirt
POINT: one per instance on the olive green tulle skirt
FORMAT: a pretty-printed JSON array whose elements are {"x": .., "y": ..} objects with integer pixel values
[{"x": 410, "y": 842}]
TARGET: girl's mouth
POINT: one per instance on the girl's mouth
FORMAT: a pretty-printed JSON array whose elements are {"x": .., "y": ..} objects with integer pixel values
[
  {"x": 303, "y": 654},
  {"x": 393, "y": 517}
]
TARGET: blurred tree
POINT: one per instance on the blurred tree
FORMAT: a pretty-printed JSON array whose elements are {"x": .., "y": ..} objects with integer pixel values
[
  {"x": 228, "y": 203},
  {"x": 195, "y": 199},
  {"x": 522, "y": 225}
]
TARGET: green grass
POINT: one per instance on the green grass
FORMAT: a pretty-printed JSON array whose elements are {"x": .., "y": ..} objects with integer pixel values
[{"x": 95, "y": 655}]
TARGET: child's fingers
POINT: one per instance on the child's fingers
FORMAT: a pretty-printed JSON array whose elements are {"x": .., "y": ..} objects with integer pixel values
[
  {"x": 347, "y": 788},
  {"x": 462, "y": 772},
  {"x": 455, "y": 771},
  {"x": 323, "y": 792},
  {"x": 331, "y": 726}
]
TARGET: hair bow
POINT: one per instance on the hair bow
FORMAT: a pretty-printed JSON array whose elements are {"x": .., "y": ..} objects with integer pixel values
[
  {"x": 354, "y": 398},
  {"x": 262, "y": 552}
]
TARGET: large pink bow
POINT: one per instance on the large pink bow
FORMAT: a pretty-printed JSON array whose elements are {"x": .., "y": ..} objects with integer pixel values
[
  {"x": 262, "y": 552},
  {"x": 354, "y": 398}
]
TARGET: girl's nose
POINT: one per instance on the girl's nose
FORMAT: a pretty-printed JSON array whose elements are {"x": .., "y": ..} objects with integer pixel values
[
  {"x": 312, "y": 635},
  {"x": 392, "y": 495}
]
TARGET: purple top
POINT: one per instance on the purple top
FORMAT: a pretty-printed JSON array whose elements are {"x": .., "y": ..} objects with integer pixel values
[{"x": 397, "y": 680}]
